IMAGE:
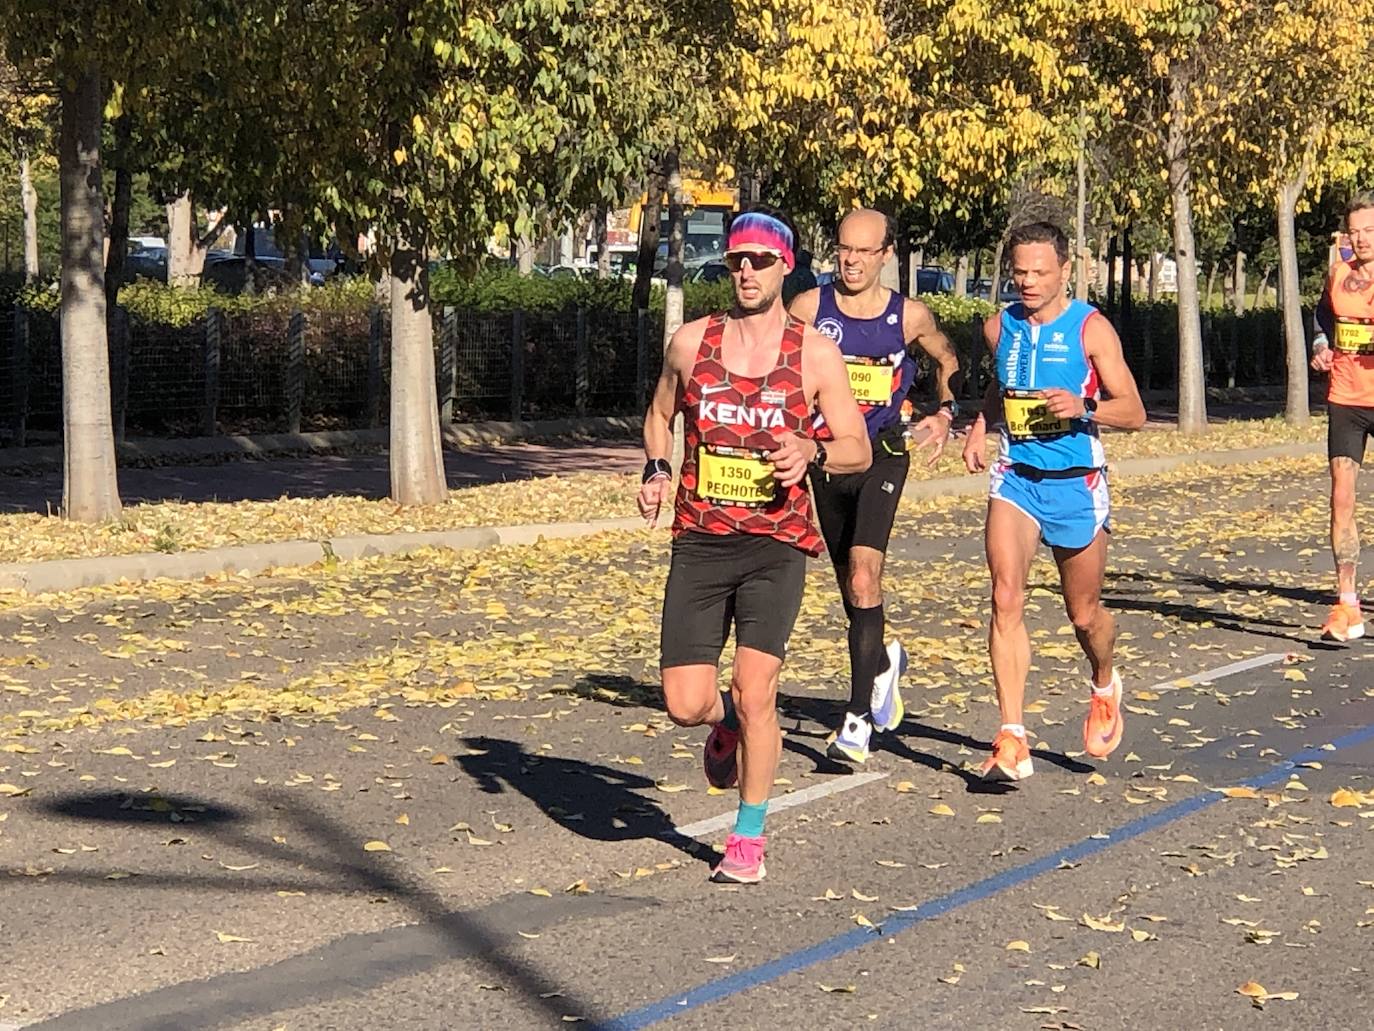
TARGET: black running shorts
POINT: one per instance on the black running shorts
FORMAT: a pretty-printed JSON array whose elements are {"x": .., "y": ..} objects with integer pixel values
[
  {"x": 750, "y": 581},
  {"x": 858, "y": 509},
  {"x": 1347, "y": 430}
]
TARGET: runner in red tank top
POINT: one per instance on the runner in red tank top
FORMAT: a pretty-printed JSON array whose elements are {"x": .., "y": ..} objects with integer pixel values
[{"x": 747, "y": 384}]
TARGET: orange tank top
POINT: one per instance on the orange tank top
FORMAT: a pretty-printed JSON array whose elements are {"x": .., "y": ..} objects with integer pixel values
[{"x": 1350, "y": 292}]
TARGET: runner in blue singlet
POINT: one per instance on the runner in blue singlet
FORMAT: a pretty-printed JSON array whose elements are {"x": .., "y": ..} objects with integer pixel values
[{"x": 1060, "y": 374}]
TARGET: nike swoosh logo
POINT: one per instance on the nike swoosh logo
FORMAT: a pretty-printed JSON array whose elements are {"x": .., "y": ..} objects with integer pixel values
[{"x": 715, "y": 389}]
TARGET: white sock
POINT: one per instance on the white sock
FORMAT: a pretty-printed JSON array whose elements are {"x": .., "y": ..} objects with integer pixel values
[
  {"x": 1104, "y": 692},
  {"x": 1351, "y": 599},
  {"x": 1016, "y": 728}
]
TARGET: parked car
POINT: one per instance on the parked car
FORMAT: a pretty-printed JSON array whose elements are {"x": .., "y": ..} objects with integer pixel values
[
  {"x": 1006, "y": 291},
  {"x": 710, "y": 272},
  {"x": 934, "y": 280},
  {"x": 229, "y": 275},
  {"x": 145, "y": 261}
]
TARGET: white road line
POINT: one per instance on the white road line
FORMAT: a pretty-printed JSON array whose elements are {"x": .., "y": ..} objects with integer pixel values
[
  {"x": 815, "y": 791},
  {"x": 1207, "y": 676}
]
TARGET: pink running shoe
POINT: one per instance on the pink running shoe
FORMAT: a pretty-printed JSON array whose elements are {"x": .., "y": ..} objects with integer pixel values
[
  {"x": 742, "y": 862},
  {"x": 722, "y": 770}
]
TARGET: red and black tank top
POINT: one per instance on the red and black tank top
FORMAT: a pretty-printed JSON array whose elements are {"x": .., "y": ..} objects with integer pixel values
[{"x": 730, "y": 423}]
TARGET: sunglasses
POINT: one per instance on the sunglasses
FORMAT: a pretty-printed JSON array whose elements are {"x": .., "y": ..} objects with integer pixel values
[{"x": 758, "y": 260}]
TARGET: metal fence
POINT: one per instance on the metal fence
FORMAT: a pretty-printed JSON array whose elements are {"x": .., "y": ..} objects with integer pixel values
[
  {"x": 265, "y": 372},
  {"x": 269, "y": 372}
]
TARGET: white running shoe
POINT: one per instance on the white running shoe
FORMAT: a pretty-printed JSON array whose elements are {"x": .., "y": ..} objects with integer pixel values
[
  {"x": 885, "y": 704},
  {"x": 850, "y": 742}
]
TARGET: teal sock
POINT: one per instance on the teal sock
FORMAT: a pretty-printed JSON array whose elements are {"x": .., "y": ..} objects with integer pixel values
[{"x": 749, "y": 819}]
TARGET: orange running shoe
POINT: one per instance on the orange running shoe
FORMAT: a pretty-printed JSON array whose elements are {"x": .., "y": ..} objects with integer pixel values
[
  {"x": 1103, "y": 728},
  {"x": 1010, "y": 759},
  {"x": 1345, "y": 623}
]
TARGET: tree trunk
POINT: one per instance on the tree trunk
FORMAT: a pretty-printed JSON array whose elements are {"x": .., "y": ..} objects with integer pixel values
[
  {"x": 1238, "y": 284},
  {"x": 1262, "y": 290},
  {"x": 961, "y": 277},
  {"x": 90, "y": 489},
  {"x": 1099, "y": 287},
  {"x": 250, "y": 260},
  {"x": 1111, "y": 275},
  {"x": 649, "y": 218},
  {"x": 1127, "y": 284},
  {"x": 524, "y": 256},
  {"x": 1192, "y": 388},
  {"x": 1296, "y": 409},
  {"x": 996, "y": 289},
  {"x": 1080, "y": 218},
  {"x": 603, "y": 253},
  {"x": 29, "y": 199},
  {"x": 1152, "y": 290},
  {"x": 417, "y": 457},
  {"x": 1211, "y": 284},
  {"x": 677, "y": 232},
  {"x": 118, "y": 248},
  {"x": 904, "y": 264},
  {"x": 185, "y": 253}
]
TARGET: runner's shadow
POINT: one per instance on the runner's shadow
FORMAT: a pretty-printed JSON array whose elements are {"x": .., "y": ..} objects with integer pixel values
[
  {"x": 327, "y": 854},
  {"x": 590, "y": 800}
]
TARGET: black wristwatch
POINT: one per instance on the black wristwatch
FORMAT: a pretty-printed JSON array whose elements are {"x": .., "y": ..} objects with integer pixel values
[
  {"x": 1090, "y": 408},
  {"x": 819, "y": 461},
  {"x": 656, "y": 468},
  {"x": 951, "y": 406}
]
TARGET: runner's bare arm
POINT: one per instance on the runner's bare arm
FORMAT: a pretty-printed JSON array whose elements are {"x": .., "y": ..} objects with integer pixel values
[
  {"x": 805, "y": 305},
  {"x": 1122, "y": 407},
  {"x": 1324, "y": 317},
  {"x": 975, "y": 446},
  {"x": 826, "y": 382},
  {"x": 920, "y": 327},
  {"x": 658, "y": 420}
]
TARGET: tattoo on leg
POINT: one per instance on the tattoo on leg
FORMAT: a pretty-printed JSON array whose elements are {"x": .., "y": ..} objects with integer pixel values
[{"x": 1347, "y": 546}]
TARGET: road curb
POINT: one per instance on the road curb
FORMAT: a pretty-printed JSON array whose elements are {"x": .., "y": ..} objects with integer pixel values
[
  {"x": 72, "y": 573},
  {"x": 191, "y": 450}
]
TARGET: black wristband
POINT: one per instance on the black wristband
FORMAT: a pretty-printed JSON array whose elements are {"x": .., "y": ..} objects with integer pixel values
[
  {"x": 819, "y": 461},
  {"x": 656, "y": 467}
]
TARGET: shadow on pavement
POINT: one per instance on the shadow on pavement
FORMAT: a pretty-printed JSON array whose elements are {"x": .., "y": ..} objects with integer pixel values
[
  {"x": 822, "y": 714},
  {"x": 587, "y": 799},
  {"x": 337, "y": 970}
]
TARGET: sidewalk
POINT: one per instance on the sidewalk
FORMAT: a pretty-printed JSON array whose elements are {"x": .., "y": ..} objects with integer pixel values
[
  {"x": 366, "y": 473},
  {"x": 314, "y": 476}
]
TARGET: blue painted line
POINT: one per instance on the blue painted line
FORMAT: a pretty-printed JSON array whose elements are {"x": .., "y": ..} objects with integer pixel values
[{"x": 831, "y": 948}]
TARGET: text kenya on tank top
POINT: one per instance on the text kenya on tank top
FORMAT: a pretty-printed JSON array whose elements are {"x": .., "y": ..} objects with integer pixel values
[{"x": 730, "y": 423}]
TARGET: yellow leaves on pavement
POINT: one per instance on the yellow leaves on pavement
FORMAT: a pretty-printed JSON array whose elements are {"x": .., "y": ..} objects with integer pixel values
[
  {"x": 1101, "y": 923},
  {"x": 228, "y": 939},
  {"x": 1347, "y": 798},
  {"x": 376, "y": 846},
  {"x": 941, "y": 810},
  {"x": 1018, "y": 946},
  {"x": 1259, "y": 995},
  {"x": 192, "y": 527}
]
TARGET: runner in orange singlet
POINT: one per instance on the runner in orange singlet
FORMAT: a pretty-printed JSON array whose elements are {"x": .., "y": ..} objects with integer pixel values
[{"x": 1347, "y": 309}]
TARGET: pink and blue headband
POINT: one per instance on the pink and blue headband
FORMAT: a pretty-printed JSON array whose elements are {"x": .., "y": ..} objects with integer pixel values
[{"x": 754, "y": 227}]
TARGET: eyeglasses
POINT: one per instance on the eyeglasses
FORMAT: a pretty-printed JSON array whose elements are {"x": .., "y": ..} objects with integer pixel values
[
  {"x": 859, "y": 252},
  {"x": 758, "y": 260}
]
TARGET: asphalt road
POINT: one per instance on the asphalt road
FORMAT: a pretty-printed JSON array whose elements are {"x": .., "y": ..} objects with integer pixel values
[{"x": 440, "y": 792}]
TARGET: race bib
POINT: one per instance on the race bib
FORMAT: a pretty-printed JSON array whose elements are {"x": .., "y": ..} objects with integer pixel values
[
  {"x": 1355, "y": 336},
  {"x": 734, "y": 476},
  {"x": 873, "y": 383},
  {"x": 1029, "y": 418}
]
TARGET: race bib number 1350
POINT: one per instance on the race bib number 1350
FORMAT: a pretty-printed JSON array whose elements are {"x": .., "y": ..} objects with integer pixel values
[{"x": 734, "y": 476}]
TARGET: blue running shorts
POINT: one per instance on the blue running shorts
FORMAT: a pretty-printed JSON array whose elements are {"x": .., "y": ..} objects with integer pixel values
[{"x": 1068, "y": 510}]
